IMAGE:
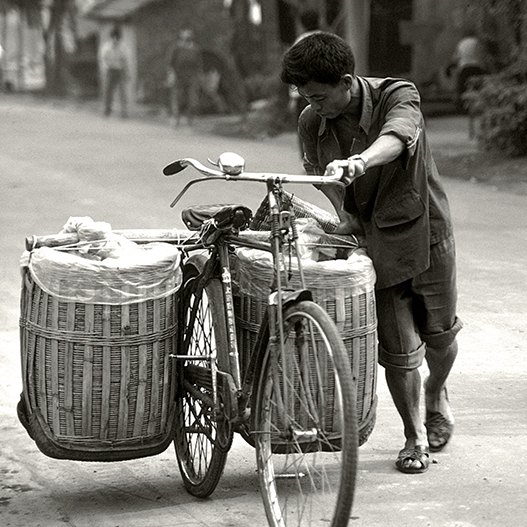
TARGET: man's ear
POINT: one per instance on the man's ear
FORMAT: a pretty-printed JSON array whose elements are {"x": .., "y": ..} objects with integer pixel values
[{"x": 347, "y": 81}]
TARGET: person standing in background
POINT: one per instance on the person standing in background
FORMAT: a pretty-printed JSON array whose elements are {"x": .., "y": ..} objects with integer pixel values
[
  {"x": 185, "y": 72},
  {"x": 468, "y": 61},
  {"x": 1, "y": 68},
  {"x": 115, "y": 71}
]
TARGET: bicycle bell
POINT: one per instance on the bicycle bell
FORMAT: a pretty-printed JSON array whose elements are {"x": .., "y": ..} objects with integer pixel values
[{"x": 231, "y": 163}]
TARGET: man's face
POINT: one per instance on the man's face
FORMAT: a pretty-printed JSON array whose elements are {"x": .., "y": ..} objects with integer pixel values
[{"x": 327, "y": 100}]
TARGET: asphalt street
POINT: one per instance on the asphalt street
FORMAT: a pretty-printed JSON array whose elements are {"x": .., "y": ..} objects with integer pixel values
[{"x": 57, "y": 162}]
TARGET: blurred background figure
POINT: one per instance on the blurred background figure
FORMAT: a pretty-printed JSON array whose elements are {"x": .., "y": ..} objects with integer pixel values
[
  {"x": 310, "y": 21},
  {"x": 1, "y": 68},
  {"x": 115, "y": 71},
  {"x": 469, "y": 61},
  {"x": 185, "y": 71}
]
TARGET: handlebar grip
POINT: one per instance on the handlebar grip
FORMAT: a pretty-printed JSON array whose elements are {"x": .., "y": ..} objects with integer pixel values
[{"x": 174, "y": 168}]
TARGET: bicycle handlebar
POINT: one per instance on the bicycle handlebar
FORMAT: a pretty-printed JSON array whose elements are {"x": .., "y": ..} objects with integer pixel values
[{"x": 231, "y": 169}]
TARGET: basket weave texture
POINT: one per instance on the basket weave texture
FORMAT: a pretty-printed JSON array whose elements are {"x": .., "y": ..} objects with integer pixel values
[
  {"x": 300, "y": 208},
  {"x": 98, "y": 380},
  {"x": 345, "y": 289}
]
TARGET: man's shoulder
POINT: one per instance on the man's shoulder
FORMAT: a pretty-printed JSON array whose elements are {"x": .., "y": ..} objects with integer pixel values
[
  {"x": 309, "y": 119},
  {"x": 390, "y": 89},
  {"x": 385, "y": 83}
]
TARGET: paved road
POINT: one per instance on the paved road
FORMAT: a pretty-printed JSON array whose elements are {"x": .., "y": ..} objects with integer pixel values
[{"x": 57, "y": 163}]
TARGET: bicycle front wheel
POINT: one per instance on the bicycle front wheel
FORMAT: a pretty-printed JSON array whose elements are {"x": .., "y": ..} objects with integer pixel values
[
  {"x": 202, "y": 435},
  {"x": 306, "y": 424}
]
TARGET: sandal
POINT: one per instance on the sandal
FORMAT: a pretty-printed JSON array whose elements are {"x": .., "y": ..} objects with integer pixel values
[
  {"x": 439, "y": 430},
  {"x": 407, "y": 456}
]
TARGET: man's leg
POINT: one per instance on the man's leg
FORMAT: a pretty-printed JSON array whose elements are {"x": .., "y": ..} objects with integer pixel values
[
  {"x": 109, "y": 93},
  {"x": 440, "y": 363},
  {"x": 175, "y": 102},
  {"x": 439, "y": 416},
  {"x": 123, "y": 94},
  {"x": 405, "y": 388},
  {"x": 436, "y": 296},
  {"x": 193, "y": 97},
  {"x": 401, "y": 352}
]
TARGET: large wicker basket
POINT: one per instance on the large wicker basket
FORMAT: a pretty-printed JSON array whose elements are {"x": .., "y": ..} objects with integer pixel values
[
  {"x": 346, "y": 291},
  {"x": 98, "y": 380}
]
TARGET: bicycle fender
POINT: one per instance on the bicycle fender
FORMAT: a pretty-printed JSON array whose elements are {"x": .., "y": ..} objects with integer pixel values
[
  {"x": 290, "y": 296},
  {"x": 250, "y": 384}
]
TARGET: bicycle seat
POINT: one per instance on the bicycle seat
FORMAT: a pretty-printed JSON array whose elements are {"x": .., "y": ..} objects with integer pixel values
[{"x": 225, "y": 216}]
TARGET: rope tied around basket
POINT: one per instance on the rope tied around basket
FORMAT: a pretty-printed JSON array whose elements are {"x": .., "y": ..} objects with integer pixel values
[{"x": 76, "y": 337}]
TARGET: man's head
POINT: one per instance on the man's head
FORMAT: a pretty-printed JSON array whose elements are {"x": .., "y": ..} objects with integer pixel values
[
  {"x": 321, "y": 57},
  {"x": 322, "y": 67}
]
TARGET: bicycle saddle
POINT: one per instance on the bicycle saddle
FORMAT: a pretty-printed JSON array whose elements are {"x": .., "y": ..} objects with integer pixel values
[{"x": 225, "y": 216}]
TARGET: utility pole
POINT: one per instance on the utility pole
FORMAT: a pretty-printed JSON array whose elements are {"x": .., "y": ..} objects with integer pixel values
[
  {"x": 20, "y": 73},
  {"x": 3, "y": 45}
]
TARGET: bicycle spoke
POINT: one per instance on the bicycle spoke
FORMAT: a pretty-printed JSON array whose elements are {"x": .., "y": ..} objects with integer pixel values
[{"x": 201, "y": 439}]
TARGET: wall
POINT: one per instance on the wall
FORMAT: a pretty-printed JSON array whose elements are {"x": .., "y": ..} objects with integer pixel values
[{"x": 22, "y": 62}]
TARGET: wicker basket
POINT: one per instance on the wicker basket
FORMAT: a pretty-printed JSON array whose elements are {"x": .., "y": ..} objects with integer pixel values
[
  {"x": 98, "y": 380},
  {"x": 344, "y": 290}
]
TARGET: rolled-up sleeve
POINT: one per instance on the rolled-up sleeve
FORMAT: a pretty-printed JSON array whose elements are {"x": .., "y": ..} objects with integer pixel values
[{"x": 403, "y": 118}]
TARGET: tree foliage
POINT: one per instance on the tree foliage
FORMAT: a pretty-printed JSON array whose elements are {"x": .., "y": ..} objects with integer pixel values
[
  {"x": 499, "y": 103},
  {"x": 499, "y": 99}
]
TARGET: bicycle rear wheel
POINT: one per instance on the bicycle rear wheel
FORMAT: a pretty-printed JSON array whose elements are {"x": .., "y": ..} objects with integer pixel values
[
  {"x": 306, "y": 424},
  {"x": 202, "y": 436}
]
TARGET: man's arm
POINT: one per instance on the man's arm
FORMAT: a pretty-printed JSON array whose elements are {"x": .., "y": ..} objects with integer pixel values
[
  {"x": 348, "y": 223},
  {"x": 384, "y": 150}
]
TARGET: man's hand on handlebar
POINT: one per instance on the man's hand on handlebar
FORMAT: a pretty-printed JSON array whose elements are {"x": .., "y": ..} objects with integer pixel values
[{"x": 356, "y": 166}]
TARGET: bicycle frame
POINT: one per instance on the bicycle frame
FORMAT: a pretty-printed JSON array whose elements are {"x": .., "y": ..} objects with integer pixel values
[
  {"x": 282, "y": 227},
  {"x": 237, "y": 396}
]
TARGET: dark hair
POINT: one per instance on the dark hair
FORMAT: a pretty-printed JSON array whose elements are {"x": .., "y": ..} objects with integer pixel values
[
  {"x": 321, "y": 57},
  {"x": 309, "y": 19}
]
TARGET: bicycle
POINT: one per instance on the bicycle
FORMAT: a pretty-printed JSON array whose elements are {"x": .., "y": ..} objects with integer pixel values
[{"x": 306, "y": 454}]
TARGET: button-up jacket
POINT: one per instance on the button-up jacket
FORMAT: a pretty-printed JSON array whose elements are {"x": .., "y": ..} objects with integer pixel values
[{"x": 401, "y": 205}]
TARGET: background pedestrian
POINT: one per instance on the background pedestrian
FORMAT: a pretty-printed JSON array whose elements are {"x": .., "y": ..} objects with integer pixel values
[{"x": 115, "y": 71}]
